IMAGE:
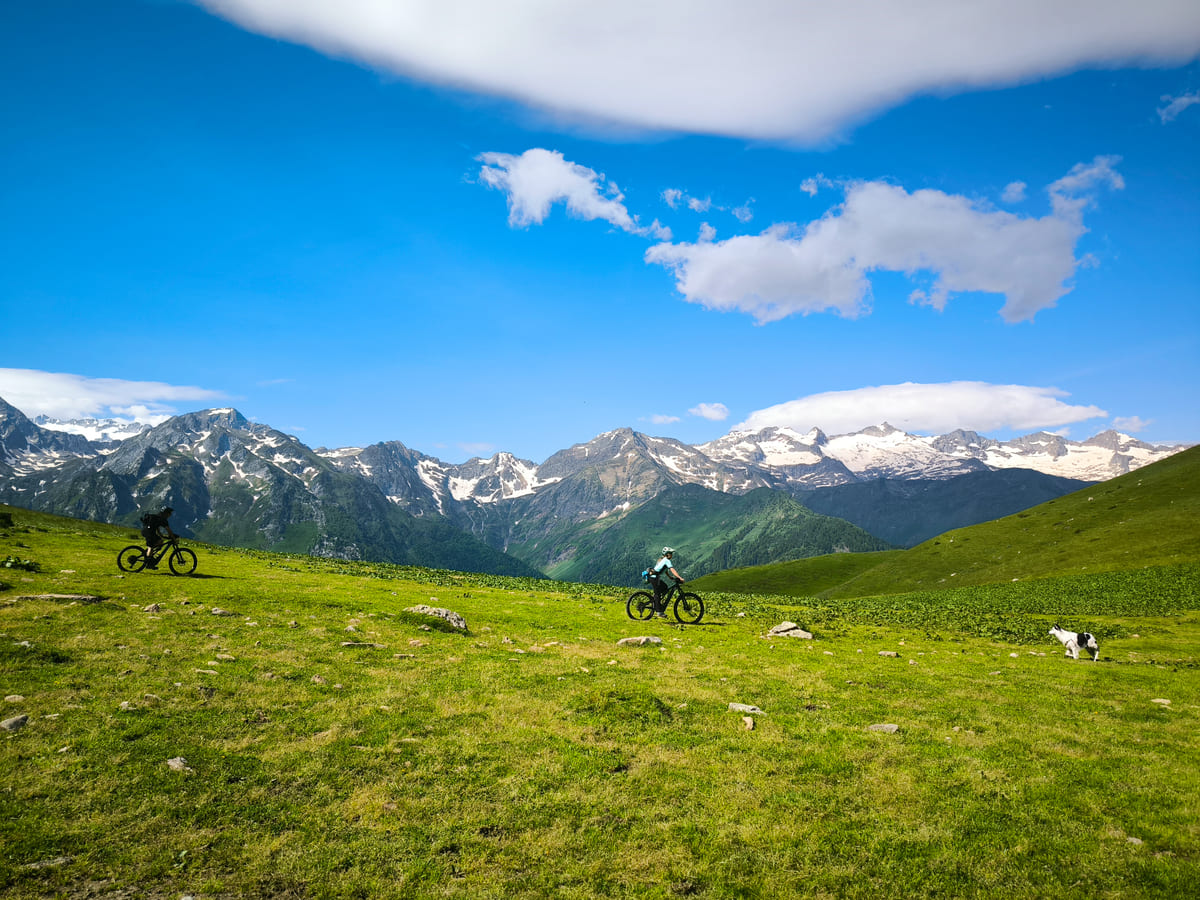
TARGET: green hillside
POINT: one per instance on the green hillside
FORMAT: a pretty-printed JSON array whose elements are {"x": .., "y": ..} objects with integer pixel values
[
  {"x": 711, "y": 530},
  {"x": 284, "y": 727},
  {"x": 798, "y": 578},
  {"x": 1145, "y": 518}
]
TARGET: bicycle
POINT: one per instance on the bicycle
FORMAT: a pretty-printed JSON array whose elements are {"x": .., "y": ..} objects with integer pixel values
[
  {"x": 135, "y": 557},
  {"x": 689, "y": 608}
]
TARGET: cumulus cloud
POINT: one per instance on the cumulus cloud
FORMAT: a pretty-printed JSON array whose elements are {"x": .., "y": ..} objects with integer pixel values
[
  {"x": 538, "y": 179},
  {"x": 927, "y": 408},
  {"x": 1175, "y": 105},
  {"x": 963, "y": 244},
  {"x": 714, "y": 412},
  {"x": 65, "y": 396},
  {"x": 1014, "y": 192},
  {"x": 758, "y": 68},
  {"x": 659, "y": 419}
]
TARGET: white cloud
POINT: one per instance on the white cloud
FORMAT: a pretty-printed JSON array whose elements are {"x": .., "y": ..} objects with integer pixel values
[
  {"x": 928, "y": 408},
  {"x": 673, "y": 197},
  {"x": 759, "y": 68},
  {"x": 1014, "y": 192},
  {"x": 1131, "y": 424},
  {"x": 714, "y": 412},
  {"x": 964, "y": 245},
  {"x": 811, "y": 185},
  {"x": 538, "y": 179},
  {"x": 659, "y": 419},
  {"x": 1176, "y": 105},
  {"x": 61, "y": 395}
]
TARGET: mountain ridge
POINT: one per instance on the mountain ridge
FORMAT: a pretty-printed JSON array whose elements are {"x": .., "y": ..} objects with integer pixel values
[{"x": 246, "y": 483}]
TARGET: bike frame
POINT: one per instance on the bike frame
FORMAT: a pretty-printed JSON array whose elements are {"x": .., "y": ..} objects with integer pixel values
[{"x": 154, "y": 554}]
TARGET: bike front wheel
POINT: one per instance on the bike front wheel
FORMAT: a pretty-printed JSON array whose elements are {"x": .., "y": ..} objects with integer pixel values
[
  {"x": 640, "y": 606},
  {"x": 689, "y": 608},
  {"x": 182, "y": 561},
  {"x": 132, "y": 559}
]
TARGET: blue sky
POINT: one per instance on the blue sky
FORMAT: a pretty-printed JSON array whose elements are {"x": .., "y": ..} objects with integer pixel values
[{"x": 475, "y": 227}]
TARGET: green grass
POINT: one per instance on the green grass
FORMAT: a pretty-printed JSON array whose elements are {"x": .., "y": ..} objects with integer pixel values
[
  {"x": 535, "y": 757},
  {"x": 1145, "y": 519},
  {"x": 798, "y": 578}
]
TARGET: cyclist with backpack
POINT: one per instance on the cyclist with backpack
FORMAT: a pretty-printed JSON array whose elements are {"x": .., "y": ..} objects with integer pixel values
[
  {"x": 658, "y": 577},
  {"x": 156, "y": 528}
]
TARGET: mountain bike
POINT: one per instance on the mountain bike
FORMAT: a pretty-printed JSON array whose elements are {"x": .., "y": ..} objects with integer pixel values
[
  {"x": 135, "y": 557},
  {"x": 689, "y": 608}
]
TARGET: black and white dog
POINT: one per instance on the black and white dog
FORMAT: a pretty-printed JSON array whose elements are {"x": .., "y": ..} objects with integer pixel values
[{"x": 1074, "y": 641}]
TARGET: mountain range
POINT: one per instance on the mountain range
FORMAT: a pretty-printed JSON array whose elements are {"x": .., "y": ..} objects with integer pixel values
[{"x": 593, "y": 512}]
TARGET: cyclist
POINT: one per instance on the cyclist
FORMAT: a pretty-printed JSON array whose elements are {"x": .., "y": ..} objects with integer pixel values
[
  {"x": 155, "y": 528},
  {"x": 659, "y": 573}
]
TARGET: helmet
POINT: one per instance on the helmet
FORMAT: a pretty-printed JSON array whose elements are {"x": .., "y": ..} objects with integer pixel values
[{"x": 667, "y": 551}]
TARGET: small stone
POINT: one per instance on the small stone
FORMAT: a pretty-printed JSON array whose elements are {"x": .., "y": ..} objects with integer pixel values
[
  {"x": 14, "y": 698},
  {"x": 640, "y": 641},
  {"x": 1137, "y": 842},
  {"x": 152, "y": 608},
  {"x": 319, "y": 679},
  {"x": 789, "y": 629},
  {"x": 225, "y": 657},
  {"x": 743, "y": 708},
  {"x": 1161, "y": 701},
  {"x": 16, "y": 723},
  {"x": 891, "y": 654},
  {"x": 217, "y": 611},
  {"x": 886, "y": 728},
  {"x": 445, "y": 614},
  {"x": 179, "y": 764},
  {"x": 749, "y": 722}
]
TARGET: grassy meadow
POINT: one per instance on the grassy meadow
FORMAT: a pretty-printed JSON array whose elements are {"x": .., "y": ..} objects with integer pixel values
[{"x": 327, "y": 743}]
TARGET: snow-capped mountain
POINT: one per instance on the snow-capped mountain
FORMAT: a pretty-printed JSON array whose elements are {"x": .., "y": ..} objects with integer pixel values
[
  {"x": 886, "y": 452},
  {"x": 246, "y": 484},
  {"x": 100, "y": 431}
]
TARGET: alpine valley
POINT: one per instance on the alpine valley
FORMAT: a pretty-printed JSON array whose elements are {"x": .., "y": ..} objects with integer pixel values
[{"x": 596, "y": 512}]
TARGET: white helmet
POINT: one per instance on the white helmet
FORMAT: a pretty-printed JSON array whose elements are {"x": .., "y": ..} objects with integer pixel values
[{"x": 667, "y": 551}]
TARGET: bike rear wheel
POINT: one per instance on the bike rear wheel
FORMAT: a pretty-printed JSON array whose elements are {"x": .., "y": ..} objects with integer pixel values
[
  {"x": 640, "y": 606},
  {"x": 689, "y": 608},
  {"x": 182, "y": 561},
  {"x": 132, "y": 559}
]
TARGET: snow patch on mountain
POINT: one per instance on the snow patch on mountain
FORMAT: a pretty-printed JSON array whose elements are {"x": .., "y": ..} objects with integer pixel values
[{"x": 102, "y": 431}]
